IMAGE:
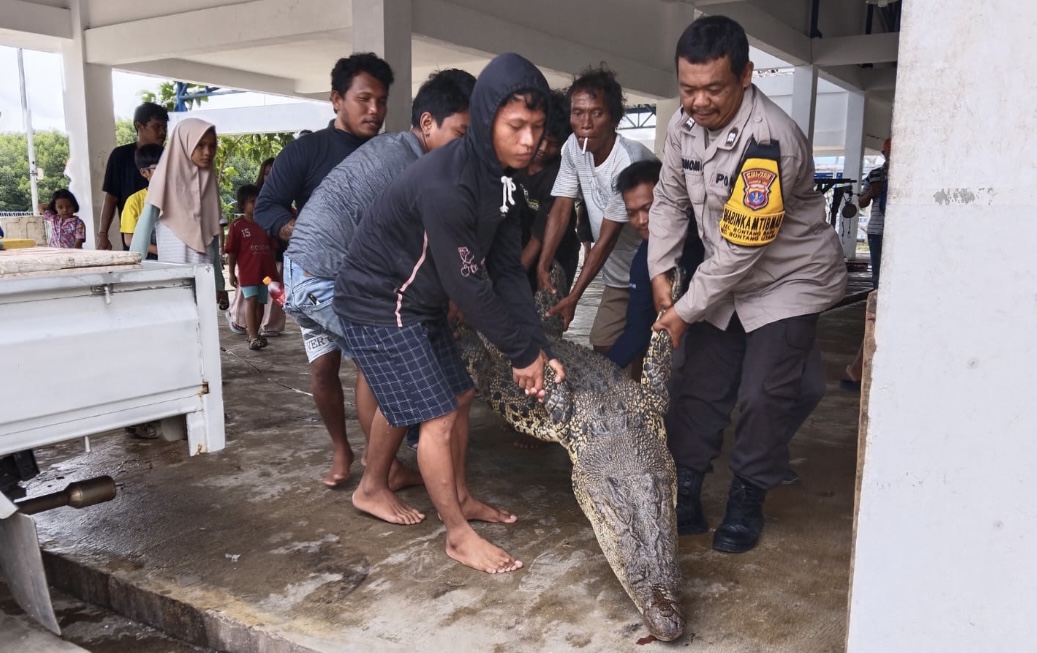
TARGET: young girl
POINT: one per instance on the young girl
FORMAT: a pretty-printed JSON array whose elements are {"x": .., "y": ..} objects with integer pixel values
[
  {"x": 66, "y": 229},
  {"x": 183, "y": 199}
]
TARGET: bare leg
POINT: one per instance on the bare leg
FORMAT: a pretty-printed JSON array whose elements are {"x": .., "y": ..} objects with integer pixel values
[
  {"x": 855, "y": 370},
  {"x": 366, "y": 404},
  {"x": 251, "y": 323},
  {"x": 375, "y": 495},
  {"x": 473, "y": 509},
  {"x": 436, "y": 460},
  {"x": 400, "y": 475},
  {"x": 327, "y": 395}
]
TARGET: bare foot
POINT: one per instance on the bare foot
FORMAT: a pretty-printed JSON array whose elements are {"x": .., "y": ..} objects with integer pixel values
[
  {"x": 529, "y": 442},
  {"x": 475, "y": 552},
  {"x": 401, "y": 476},
  {"x": 339, "y": 472},
  {"x": 387, "y": 507},
  {"x": 475, "y": 510}
]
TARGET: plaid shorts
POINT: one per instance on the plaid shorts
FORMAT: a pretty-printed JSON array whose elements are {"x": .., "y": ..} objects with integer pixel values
[{"x": 415, "y": 372}]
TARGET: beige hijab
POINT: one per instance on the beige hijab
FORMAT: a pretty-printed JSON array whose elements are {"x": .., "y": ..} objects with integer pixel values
[{"x": 187, "y": 197}]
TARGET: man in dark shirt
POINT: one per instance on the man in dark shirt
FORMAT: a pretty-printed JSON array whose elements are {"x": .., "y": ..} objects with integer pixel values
[
  {"x": 122, "y": 177},
  {"x": 359, "y": 92},
  {"x": 636, "y": 183},
  {"x": 444, "y": 230}
]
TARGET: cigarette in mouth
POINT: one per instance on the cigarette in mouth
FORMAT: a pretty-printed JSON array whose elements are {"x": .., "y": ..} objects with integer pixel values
[{"x": 584, "y": 148}]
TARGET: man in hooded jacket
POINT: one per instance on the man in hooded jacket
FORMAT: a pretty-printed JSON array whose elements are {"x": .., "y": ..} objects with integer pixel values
[{"x": 446, "y": 230}]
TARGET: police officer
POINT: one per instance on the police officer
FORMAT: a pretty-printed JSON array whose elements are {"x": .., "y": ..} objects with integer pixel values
[{"x": 771, "y": 266}]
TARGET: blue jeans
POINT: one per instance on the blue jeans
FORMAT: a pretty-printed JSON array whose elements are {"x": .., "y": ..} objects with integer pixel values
[{"x": 309, "y": 301}]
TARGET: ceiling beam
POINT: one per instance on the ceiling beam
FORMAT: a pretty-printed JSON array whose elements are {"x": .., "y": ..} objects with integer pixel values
[
  {"x": 200, "y": 73},
  {"x": 852, "y": 50},
  {"x": 449, "y": 23},
  {"x": 37, "y": 19},
  {"x": 228, "y": 27},
  {"x": 766, "y": 32}
]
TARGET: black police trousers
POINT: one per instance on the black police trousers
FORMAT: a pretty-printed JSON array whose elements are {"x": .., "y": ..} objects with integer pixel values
[{"x": 775, "y": 377}]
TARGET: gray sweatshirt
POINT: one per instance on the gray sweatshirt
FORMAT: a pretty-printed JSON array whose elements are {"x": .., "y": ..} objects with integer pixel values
[{"x": 326, "y": 224}]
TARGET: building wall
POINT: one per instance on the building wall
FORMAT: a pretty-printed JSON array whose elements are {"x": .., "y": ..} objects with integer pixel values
[{"x": 947, "y": 523}]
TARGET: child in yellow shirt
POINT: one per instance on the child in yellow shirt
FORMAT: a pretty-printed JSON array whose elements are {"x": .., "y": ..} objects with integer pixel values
[{"x": 146, "y": 158}]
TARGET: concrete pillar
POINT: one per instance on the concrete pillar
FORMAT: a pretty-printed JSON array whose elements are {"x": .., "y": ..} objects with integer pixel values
[
  {"x": 804, "y": 98},
  {"x": 854, "y": 139},
  {"x": 384, "y": 27},
  {"x": 90, "y": 123},
  {"x": 946, "y": 529},
  {"x": 852, "y": 161},
  {"x": 664, "y": 110}
]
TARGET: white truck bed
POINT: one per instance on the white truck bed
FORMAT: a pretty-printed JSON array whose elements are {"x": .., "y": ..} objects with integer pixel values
[{"x": 93, "y": 341}]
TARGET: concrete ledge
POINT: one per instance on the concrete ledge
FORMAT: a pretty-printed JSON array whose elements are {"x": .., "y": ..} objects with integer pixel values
[{"x": 191, "y": 623}]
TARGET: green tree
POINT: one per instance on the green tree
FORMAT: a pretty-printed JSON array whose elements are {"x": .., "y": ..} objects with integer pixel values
[
  {"x": 238, "y": 158},
  {"x": 124, "y": 131},
  {"x": 51, "y": 157}
]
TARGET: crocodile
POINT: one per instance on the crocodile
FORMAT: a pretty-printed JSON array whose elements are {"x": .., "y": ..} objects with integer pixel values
[{"x": 623, "y": 475}]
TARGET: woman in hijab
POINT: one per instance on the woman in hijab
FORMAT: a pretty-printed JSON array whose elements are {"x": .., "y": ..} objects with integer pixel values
[{"x": 183, "y": 202}]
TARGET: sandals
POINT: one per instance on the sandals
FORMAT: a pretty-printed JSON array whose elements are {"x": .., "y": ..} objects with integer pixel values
[{"x": 256, "y": 344}]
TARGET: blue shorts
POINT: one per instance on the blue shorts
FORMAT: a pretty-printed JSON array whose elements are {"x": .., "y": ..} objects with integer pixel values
[
  {"x": 259, "y": 291},
  {"x": 309, "y": 301},
  {"x": 415, "y": 372}
]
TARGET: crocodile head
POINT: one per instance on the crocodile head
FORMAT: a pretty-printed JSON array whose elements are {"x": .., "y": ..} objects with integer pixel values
[{"x": 623, "y": 481}]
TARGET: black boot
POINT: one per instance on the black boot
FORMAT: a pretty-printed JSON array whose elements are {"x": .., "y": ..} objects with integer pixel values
[
  {"x": 690, "y": 520},
  {"x": 743, "y": 522}
]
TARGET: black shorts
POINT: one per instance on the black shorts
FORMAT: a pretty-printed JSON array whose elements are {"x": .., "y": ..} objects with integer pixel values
[{"x": 415, "y": 372}]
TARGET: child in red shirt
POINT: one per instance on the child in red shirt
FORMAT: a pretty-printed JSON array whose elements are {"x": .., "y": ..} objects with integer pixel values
[{"x": 250, "y": 257}]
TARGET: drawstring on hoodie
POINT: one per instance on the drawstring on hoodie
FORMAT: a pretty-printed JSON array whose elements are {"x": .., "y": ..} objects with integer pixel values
[{"x": 508, "y": 187}]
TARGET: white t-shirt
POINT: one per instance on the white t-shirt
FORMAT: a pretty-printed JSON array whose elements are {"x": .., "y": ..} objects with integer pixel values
[{"x": 579, "y": 178}]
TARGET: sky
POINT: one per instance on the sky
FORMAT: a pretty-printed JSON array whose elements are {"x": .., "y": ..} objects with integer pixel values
[{"x": 44, "y": 90}]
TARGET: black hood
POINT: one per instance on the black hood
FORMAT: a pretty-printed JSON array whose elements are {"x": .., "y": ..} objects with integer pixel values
[{"x": 507, "y": 74}]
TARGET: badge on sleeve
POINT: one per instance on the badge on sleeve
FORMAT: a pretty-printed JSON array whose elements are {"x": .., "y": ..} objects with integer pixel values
[{"x": 755, "y": 210}]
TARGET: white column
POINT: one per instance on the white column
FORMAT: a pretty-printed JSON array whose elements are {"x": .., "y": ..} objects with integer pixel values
[
  {"x": 946, "y": 525},
  {"x": 852, "y": 161},
  {"x": 854, "y": 138},
  {"x": 384, "y": 27},
  {"x": 664, "y": 110},
  {"x": 804, "y": 98},
  {"x": 90, "y": 123}
]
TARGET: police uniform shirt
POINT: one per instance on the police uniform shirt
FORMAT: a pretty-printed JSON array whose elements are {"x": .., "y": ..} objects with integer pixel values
[{"x": 769, "y": 252}]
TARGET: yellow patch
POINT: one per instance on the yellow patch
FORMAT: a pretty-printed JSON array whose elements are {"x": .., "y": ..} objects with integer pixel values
[{"x": 755, "y": 210}]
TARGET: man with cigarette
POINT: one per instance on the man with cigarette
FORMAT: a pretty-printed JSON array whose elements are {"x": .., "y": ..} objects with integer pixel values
[{"x": 592, "y": 158}]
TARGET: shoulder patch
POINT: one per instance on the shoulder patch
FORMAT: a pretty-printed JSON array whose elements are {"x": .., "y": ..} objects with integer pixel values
[{"x": 756, "y": 209}]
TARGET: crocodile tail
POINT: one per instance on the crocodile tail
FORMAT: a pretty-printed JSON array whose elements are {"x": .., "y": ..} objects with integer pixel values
[
  {"x": 658, "y": 364},
  {"x": 545, "y": 301}
]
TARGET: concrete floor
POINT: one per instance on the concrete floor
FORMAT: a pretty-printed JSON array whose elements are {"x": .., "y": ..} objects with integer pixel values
[{"x": 245, "y": 549}]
